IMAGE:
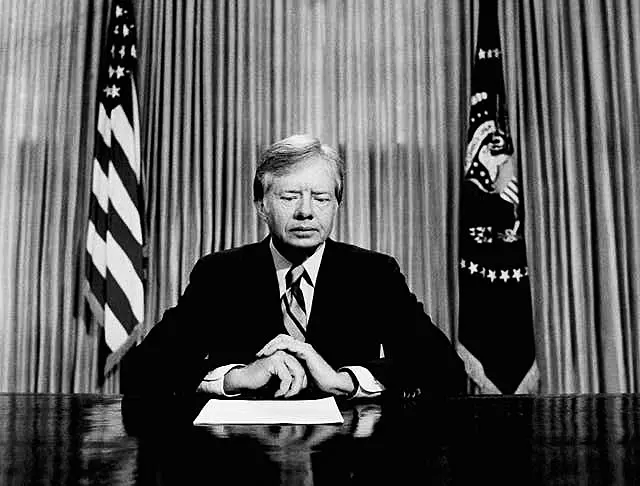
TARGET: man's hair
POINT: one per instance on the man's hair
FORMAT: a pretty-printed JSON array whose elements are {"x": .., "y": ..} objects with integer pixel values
[{"x": 279, "y": 159}]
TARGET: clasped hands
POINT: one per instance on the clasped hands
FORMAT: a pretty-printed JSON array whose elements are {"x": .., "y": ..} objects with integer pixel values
[{"x": 294, "y": 364}]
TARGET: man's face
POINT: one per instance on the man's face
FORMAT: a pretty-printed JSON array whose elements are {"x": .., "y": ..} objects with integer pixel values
[{"x": 300, "y": 206}]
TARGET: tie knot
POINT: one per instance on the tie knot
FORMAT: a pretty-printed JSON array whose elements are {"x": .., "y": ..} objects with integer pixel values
[{"x": 294, "y": 275}]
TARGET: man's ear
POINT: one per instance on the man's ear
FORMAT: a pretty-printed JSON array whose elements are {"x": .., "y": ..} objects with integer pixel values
[{"x": 260, "y": 209}]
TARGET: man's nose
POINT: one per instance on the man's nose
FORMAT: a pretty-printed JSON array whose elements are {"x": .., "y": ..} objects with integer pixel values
[{"x": 304, "y": 209}]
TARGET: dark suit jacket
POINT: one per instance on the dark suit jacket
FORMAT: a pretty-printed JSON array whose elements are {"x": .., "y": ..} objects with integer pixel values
[{"x": 231, "y": 309}]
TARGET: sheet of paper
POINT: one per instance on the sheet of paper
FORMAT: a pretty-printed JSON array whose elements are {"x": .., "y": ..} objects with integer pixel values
[{"x": 320, "y": 411}]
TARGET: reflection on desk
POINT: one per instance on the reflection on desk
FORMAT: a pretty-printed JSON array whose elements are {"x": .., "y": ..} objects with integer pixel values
[{"x": 82, "y": 439}]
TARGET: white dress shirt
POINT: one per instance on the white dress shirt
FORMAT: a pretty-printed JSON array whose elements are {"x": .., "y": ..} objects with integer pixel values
[{"x": 366, "y": 386}]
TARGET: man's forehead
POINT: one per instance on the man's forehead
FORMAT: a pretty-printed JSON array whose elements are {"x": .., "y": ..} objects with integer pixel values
[{"x": 310, "y": 169}]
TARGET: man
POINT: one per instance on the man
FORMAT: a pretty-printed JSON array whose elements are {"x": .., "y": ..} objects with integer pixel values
[{"x": 297, "y": 311}]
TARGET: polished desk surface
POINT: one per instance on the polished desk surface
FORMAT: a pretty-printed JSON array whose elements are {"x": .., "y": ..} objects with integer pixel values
[{"x": 83, "y": 439}]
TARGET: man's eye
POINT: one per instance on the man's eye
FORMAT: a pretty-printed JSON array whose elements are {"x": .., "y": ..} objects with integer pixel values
[{"x": 288, "y": 198}]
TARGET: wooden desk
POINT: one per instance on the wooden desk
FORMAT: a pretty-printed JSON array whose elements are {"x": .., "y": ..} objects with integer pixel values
[{"x": 81, "y": 439}]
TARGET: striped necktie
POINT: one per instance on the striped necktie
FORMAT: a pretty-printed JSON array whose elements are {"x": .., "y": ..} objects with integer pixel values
[{"x": 293, "y": 308}]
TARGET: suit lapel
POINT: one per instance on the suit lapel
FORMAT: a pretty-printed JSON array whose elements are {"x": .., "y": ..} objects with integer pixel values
[
  {"x": 326, "y": 289},
  {"x": 265, "y": 281}
]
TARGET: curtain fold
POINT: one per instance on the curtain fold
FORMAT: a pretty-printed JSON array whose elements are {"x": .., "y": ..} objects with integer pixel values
[
  {"x": 384, "y": 81},
  {"x": 47, "y": 122},
  {"x": 577, "y": 99}
]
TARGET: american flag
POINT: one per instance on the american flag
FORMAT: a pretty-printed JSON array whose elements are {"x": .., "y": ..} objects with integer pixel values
[
  {"x": 495, "y": 333},
  {"x": 115, "y": 289}
]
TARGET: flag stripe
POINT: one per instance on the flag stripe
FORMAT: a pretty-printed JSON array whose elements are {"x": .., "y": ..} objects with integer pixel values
[
  {"x": 97, "y": 249},
  {"x": 97, "y": 217},
  {"x": 116, "y": 331},
  {"x": 124, "y": 135},
  {"x": 100, "y": 186},
  {"x": 102, "y": 154},
  {"x": 124, "y": 273},
  {"x": 104, "y": 128},
  {"x": 124, "y": 206},
  {"x": 119, "y": 303},
  {"x": 125, "y": 172},
  {"x": 120, "y": 232},
  {"x": 97, "y": 283}
]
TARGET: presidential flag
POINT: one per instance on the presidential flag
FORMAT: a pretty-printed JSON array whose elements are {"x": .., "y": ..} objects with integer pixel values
[
  {"x": 114, "y": 272},
  {"x": 495, "y": 333}
]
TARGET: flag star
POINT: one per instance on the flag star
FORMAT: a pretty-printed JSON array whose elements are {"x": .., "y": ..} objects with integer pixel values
[
  {"x": 463, "y": 264},
  {"x": 112, "y": 91},
  {"x": 111, "y": 72},
  {"x": 133, "y": 51},
  {"x": 125, "y": 31},
  {"x": 480, "y": 54},
  {"x": 118, "y": 11},
  {"x": 496, "y": 53},
  {"x": 120, "y": 72},
  {"x": 517, "y": 274},
  {"x": 526, "y": 271},
  {"x": 492, "y": 275},
  {"x": 113, "y": 50},
  {"x": 122, "y": 51},
  {"x": 116, "y": 30},
  {"x": 473, "y": 268},
  {"x": 483, "y": 271},
  {"x": 504, "y": 275}
]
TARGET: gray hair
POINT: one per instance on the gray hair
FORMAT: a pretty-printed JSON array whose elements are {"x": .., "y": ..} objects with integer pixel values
[{"x": 279, "y": 158}]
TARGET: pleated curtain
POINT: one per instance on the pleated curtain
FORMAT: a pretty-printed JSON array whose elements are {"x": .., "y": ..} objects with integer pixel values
[{"x": 384, "y": 81}]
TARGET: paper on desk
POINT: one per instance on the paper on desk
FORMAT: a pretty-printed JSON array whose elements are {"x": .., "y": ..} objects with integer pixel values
[{"x": 320, "y": 411}]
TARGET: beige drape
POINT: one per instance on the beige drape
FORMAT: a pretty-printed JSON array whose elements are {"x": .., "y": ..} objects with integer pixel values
[
  {"x": 386, "y": 81},
  {"x": 574, "y": 85},
  {"x": 46, "y": 114}
]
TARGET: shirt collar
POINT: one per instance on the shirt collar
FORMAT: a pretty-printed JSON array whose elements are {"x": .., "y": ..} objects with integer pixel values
[{"x": 311, "y": 264}]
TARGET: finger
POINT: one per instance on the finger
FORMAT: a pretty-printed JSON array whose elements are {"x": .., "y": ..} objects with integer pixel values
[
  {"x": 281, "y": 345},
  {"x": 267, "y": 348},
  {"x": 298, "y": 374},
  {"x": 290, "y": 345},
  {"x": 286, "y": 348},
  {"x": 280, "y": 342},
  {"x": 283, "y": 374}
]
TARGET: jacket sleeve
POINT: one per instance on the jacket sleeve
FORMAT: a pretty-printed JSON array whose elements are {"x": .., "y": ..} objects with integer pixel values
[
  {"x": 171, "y": 358},
  {"x": 418, "y": 355}
]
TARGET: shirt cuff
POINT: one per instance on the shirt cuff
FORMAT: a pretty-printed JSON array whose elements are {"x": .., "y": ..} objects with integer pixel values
[
  {"x": 213, "y": 382},
  {"x": 366, "y": 384}
]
